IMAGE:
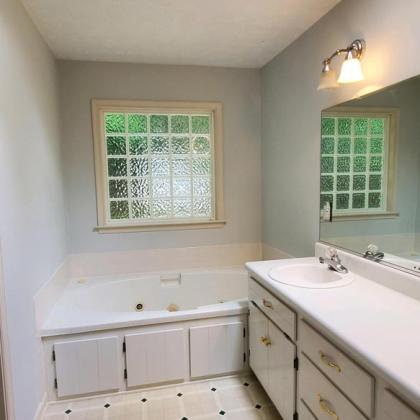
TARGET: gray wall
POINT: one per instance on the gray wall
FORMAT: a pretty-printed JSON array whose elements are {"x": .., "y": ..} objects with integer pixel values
[
  {"x": 291, "y": 107},
  {"x": 406, "y": 98},
  {"x": 239, "y": 90},
  {"x": 32, "y": 212}
]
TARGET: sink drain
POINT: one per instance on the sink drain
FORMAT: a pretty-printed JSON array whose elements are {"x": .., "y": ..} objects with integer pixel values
[{"x": 139, "y": 307}]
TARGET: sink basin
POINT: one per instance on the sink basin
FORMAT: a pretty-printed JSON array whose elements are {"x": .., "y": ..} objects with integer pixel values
[{"x": 311, "y": 276}]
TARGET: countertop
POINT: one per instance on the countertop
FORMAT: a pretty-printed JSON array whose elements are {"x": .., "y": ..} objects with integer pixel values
[{"x": 379, "y": 325}]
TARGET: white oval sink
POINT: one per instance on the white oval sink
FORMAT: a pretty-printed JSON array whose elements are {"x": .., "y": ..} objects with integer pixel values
[{"x": 312, "y": 276}]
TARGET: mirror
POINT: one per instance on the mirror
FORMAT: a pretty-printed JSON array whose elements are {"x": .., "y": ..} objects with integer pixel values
[{"x": 370, "y": 175}]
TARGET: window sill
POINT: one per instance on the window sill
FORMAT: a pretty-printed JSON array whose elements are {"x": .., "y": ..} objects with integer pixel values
[
  {"x": 363, "y": 216},
  {"x": 150, "y": 227}
]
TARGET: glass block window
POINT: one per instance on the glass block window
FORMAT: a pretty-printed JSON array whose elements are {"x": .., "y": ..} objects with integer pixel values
[
  {"x": 354, "y": 162},
  {"x": 158, "y": 165}
]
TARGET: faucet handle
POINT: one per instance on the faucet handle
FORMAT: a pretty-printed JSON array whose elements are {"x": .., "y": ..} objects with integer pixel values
[{"x": 331, "y": 253}]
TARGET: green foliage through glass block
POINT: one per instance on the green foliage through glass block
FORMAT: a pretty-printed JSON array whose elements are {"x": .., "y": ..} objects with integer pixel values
[
  {"x": 114, "y": 123},
  {"x": 359, "y": 182},
  {"x": 376, "y": 145},
  {"x": 115, "y": 145},
  {"x": 327, "y": 145},
  {"x": 180, "y": 124},
  {"x": 360, "y": 145},
  {"x": 119, "y": 209},
  {"x": 377, "y": 126},
  {"x": 342, "y": 201},
  {"x": 180, "y": 145},
  {"x": 343, "y": 182},
  {"x": 137, "y": 123},
  {"x": 327, "y": 183},
  {"x": 344, "y": 126},
  {"x": 159, "y": 144},
  {"x": 138, "y": 145},
  {"x": 360, "y": 126},
  {"x": 200, "y": 124},
  {"x": 327, "y": 126},
  {"x": 327, "y": 164},
  {"x": 201, "y": 145},
  {"x": 343, "y": 164},
  {"x": 159, "y": 123},
  {"x": 375, "y": 182},
  {"x": 118, "y": 188},
  {"x": 140, "y": 188},
  {"x": 117, "y": 167},
  {"x": 139, "y": 166},
  {"x": 374, "y": 200},
  {"x": 359, "y": 164},
  {"x": 326, "y": 198},
  {"x": 140, "y": 209},
  {"x": 358, "y": 200},
  {"x": 344, "y": 146},
  {"x": 375, "y": 164}
]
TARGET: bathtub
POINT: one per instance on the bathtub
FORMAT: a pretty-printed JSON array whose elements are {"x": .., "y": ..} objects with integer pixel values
[{"x": 102, "y": 303}]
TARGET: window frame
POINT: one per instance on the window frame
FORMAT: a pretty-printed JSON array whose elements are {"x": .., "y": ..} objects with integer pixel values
[
  {"x": 390, "y": 158},
  {"x": 99, "y": 107}
]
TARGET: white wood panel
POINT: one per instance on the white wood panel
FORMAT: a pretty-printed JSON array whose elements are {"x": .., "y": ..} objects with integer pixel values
[
  {"x": 86, "y": 366},
  {"x": 281, "y": 372},
  {"x": 216, "y": 349},
  {"x": 258, "y": 359},
  {"x": 154, "y": 357},
  {"x": 396, "y": 409}
]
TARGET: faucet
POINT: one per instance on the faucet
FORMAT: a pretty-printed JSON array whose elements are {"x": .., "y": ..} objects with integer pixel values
[
  {"x": 373, "y": 253},
  {"x": 334, "y": 261}
]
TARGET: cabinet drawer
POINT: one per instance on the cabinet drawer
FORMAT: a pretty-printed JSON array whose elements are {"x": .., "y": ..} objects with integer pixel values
[
  {"x": 322, "y": 397},
  {"x": 395, "y": 409},
  {"x": 304, "y": 412},
  {"x": 282, "y": 315},
  {"x": 354, "y": 381}
]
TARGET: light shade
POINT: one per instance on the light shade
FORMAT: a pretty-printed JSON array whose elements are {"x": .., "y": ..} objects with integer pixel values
[
  {"x": 328, "y": 80},
  {"x": 351, "y": 71}
]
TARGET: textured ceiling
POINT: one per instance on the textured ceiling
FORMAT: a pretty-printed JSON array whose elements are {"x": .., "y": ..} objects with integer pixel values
[{"x": 234, "y": 33}]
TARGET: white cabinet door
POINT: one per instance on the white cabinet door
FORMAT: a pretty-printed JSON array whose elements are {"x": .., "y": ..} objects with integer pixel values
[
  {"x": 216, "y": 349},
  {"x": 258, "y": 359},
  {"x": 281, "y": 372},
  {"x": 86, "y": 366},
  {"x": 157, "y": 356}
]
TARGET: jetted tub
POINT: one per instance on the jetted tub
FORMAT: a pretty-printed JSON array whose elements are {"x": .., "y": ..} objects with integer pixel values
[{"x": 101, "y": 303}]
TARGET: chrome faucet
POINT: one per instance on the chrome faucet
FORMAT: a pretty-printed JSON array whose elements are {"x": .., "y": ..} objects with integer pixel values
[
  {"x": 334, "y": 262},
  {"x": 373, "y": 253}
]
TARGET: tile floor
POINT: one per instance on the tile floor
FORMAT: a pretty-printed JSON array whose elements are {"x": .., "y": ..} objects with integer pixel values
[{"x": 234, "y": 398}]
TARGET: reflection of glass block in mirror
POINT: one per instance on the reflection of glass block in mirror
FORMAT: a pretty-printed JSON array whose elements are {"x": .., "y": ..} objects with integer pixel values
[
  {"x": 359, "y": 164},
  {"x": 342, "y": 201},
  {"x": 375, "y": 182},
  {"x": 328, "y": 126},
  {"x": 375, "y": 163},
  {"x": 359, "y": 182},
  {"x": 344, "y": 146},
  {"x": 343, "y": 182},
  {"x": 344, "y": 126},
  {"x": 360, "y": 126},
  {"x": 377, "y": 126},
  {"x": 374, "y": 200},
  {"x": 327, "y": 164},
  {"x": 358, "y": 200},
  {"x": 327, "y": 183},
  {"x": 360, "y": 145},
  {"x": 327, "y": 145},
  {"x": 343, "y": 164},
  {"x": 376, "y": 145}
]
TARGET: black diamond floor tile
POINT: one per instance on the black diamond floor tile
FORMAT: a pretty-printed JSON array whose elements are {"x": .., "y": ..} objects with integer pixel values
[
  {"x": 67, "y": 411},
  {"x": 222, "y": 413}
]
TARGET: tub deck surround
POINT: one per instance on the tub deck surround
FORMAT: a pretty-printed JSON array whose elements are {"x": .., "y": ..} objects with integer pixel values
[
  {"x": 109, "y": 302},
  {"x": 376, "y": 324}
]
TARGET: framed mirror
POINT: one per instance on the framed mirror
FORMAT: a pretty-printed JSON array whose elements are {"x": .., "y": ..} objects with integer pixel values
[{"x": 370, "y": 175}]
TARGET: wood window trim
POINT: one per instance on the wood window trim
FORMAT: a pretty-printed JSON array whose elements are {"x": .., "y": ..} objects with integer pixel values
[
  {"x": 392, "y": 156},
  {"x": 98, "y": 108}
]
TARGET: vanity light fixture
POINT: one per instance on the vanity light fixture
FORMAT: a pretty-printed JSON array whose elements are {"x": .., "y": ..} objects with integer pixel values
[{"x": 351, "y": 70}]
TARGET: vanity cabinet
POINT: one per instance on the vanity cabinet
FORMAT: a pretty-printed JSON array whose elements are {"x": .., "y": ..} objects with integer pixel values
[{"x": 272, "y": 357}]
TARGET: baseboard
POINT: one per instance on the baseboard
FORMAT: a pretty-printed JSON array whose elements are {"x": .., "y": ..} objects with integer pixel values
[{"x": 41, "y": 408}]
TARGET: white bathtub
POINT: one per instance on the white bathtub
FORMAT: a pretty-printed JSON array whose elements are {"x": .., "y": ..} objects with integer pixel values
[{"x": 101, "y": 303}]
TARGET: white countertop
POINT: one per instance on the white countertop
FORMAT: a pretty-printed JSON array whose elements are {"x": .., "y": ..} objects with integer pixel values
[{"x": 379, "y": 325}]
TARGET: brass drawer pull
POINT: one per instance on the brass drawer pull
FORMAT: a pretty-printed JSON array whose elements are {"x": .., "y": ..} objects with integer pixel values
[
  {"x": 267, "y": 304},
  {"x": 329, "y": 362},
  {"x": 266, "y": 341},
  {"x": 326, "y": 408}
]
